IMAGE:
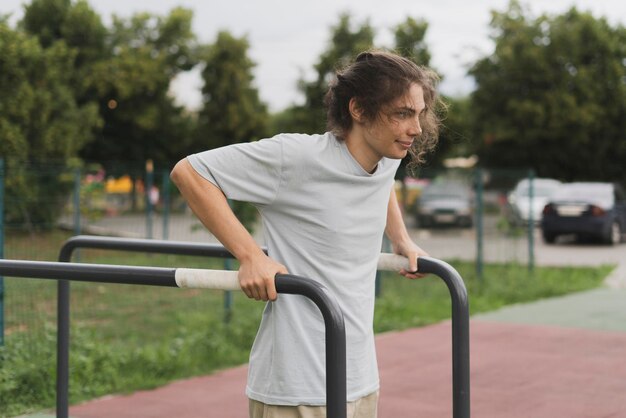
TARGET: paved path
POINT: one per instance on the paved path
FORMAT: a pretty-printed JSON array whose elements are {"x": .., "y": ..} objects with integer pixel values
[{"x": 517, "y": 371}]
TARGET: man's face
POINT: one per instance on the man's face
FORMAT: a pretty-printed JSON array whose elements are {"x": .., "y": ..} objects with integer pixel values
[{"x": 392, "y": 134}]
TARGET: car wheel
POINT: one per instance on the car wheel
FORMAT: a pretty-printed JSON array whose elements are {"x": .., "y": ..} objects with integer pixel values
[
  {"x": 549, "y": 238},
  {"x": 614, "y": 236}
]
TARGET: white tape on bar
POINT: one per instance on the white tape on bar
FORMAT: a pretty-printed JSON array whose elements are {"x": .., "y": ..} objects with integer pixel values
[
  {"x": 207, "y": 279},
  {"x": 392, "y": 262},
  {"x": 227, "y": 280}
]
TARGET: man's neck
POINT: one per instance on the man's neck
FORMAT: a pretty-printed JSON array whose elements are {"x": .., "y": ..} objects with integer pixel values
[{"x": 360, "y": 151}]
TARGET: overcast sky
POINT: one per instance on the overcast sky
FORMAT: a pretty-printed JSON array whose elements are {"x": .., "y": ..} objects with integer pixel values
[{"x": 286, "y": 37}]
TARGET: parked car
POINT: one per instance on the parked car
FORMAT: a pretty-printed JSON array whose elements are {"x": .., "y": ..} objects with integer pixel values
[
  {"x": 589, "y": 210},
  {"x": 445, "y": 203},
  {"x": 522, "y": 205}
]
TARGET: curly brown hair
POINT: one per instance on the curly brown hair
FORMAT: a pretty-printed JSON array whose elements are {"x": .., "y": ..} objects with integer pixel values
[{"x": 375, "y": 79}]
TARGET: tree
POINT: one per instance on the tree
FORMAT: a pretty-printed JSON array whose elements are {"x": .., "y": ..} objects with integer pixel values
[
  {"x": 345, "y": 43},
  {"x": 141, "y": 120},
  {"x": 75, "y": 23},
  {"x": 232, "y": 111},
  {"x": 124, "y": 71},
  {"x": 40, "y": 123},
  {"x": 552, "y": 96},
  {"x": 410, "y": 40}
]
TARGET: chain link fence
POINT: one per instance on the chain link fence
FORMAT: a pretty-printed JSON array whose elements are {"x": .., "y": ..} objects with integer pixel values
[
  {"x": 468, "y": 214},
  {"x": 455, "y": 214},
  {"x": 125, "y": 202}
]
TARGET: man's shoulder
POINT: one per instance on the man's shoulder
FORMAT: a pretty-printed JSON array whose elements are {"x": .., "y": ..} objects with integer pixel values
[
  {"x": 304, "y": 144},
  {"x": 305, "y": 139}
]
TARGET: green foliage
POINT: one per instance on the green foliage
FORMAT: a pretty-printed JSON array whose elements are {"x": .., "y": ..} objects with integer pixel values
[
  {"x": 132, "y": 81},
  {"x": 455, "y": 133},
  {"x": 406, "y": 303},
  {"x": 410, "y": 40},
  {"x": 232, "y": 111},
  {"x": 99, "y": 368},
  {"x": 74, "y": 23},
  {"x": 345, "y": 43},
  {"x": 555, "y": 84},
  {"x": 41, "y": 122}
]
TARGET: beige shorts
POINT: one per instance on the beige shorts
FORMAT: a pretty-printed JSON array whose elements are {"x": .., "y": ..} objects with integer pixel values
[{"x": 365, "y": 407}]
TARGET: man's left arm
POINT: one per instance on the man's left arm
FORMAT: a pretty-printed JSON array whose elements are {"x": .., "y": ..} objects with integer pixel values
[{"x": 401, "y": 242}]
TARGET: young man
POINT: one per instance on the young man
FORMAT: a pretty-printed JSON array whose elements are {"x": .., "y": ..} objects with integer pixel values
[{"x": 325, "y": 202}]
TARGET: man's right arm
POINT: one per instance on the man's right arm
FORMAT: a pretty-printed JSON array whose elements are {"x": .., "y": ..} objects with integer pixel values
[{"x": 207, "y": 201}]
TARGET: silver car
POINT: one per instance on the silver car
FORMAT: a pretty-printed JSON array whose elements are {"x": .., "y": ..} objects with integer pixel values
[
  {"x": 523, "y": 204},
  {"x": 445, "y": 204}
]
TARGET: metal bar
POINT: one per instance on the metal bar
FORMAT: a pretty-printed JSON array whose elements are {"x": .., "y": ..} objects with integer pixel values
[
  {"x": 101, "y": 273},
  {"x": 63, "y": 294},
  {"x": 1, "y": 250},
  {"x": 460, "y": 323},
  {"x": 460, "y": 333},
  {"x": 142, "y": 245},
  {"x": 335, "y": 338},
  {"x": 148, "y": 197},
  {"x": 63, "y": 319},
  {"x": 531, "y": 220},
  {"x": 479, "y": 222},
  {"x": 458, "y": 292},
  {"x": 160, "y": 276},
  {"x": 336, "y": 396},
  {"x": 166, "y": 205}
]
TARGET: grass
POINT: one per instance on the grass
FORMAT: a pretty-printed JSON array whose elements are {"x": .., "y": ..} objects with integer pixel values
[{"x": 126, "y": 338}]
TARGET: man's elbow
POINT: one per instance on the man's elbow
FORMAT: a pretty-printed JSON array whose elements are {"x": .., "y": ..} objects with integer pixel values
[{"x": 177, "y": 171}]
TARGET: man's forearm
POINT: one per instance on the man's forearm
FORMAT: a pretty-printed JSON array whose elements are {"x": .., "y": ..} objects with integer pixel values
[{"x": 395, "y": 229}]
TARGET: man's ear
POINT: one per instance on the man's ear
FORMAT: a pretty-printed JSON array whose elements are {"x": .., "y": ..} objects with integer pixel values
[{"x": 355, "y": 111}]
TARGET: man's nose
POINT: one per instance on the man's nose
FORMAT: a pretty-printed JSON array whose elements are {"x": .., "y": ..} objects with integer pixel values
[{"x": 415, "y": 128}]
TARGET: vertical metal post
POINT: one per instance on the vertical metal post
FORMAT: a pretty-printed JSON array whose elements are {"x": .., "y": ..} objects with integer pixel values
[
  {"x": 479, "y": 223},
  {"x": 228, "y": 295},
  {"x": 148, "y": 197},
  {"x": 76, "y": 202},
  {"x": 460, "y": 333},
  {"x": 1, "y": 251},
  {"x": 336, "y": 384},
  {"x": 63, "y": 318},
  {"x": 333, "y": 317},
  {"x": 165, "y": 187},
  {"x": 531, "y": 220}
]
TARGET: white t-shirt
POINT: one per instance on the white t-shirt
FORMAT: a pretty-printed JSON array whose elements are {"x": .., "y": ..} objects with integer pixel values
[{"x": 323, "y": 217}]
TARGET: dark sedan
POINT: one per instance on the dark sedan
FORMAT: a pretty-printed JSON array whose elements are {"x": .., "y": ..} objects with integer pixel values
[{"x": 588, "y": 210}]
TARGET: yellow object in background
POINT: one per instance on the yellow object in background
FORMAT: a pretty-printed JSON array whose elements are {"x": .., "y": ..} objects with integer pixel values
[{"x": 122, "y": 185}]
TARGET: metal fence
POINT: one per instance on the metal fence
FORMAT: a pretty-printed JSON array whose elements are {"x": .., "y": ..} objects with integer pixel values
[
  {"x": 467, "y": 214},
  {"x": 144, "y": 204},
  {"x": 139, "y": 201}
]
